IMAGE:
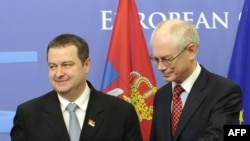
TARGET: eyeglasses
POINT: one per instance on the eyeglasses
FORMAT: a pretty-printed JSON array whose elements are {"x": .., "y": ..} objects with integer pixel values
[{"x": 166, "y": 61}]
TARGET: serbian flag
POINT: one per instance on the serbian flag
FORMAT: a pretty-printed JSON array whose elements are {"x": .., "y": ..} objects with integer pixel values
[
  {"x": 128, "y": 71},
  {"x": 239, "y": 70}
]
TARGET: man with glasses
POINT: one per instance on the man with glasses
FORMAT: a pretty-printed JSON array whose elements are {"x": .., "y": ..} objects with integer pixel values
[{"x": 203, "y": 102}]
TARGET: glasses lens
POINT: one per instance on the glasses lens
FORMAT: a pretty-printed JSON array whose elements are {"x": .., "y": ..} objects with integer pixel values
[{"x": 166, "y": 62}]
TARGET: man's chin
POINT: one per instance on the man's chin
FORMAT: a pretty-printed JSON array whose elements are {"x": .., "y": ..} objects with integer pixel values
[
  {"x": 168, "y": 78},
  {"x": 61, "y": 91}
]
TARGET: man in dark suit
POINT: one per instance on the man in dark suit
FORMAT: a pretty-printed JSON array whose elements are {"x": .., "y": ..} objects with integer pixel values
[
  {"x": 207, "y": 101},
  {"x": 101, "y": 117}
]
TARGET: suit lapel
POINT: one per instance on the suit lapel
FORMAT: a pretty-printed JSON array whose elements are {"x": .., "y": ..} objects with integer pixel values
[
  {"x": 93, "y": 120},
  {"x": 53, "y": 116},
  {"x": 195, "y": 98},
  {"x": 167, "y": 112}
]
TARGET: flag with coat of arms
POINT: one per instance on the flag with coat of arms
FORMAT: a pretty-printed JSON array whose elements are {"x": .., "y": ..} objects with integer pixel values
[{"x": 128, "y": 71}]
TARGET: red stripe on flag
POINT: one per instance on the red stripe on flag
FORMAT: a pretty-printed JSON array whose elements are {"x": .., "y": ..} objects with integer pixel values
[{"x": 128, "y": 55}]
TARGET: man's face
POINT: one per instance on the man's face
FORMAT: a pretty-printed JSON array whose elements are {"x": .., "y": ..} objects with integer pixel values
[
  {"x": 174, "y": 64},
  {"x": 67, "y": 74}
]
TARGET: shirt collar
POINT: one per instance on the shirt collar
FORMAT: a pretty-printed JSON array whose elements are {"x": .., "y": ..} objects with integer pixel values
[
  {"x": 82, "y": 101},
  {"x": 189, "y": 82}
]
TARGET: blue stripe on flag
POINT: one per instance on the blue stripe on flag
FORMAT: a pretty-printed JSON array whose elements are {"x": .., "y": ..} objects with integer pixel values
[{"x": 110, "y": 75}]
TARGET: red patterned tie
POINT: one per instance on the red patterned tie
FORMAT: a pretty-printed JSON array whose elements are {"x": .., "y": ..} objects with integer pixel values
[{"x": 177, "y": 107}]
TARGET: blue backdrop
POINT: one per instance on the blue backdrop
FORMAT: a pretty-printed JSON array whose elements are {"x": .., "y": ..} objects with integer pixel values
[{"x": 27, "y": 26}]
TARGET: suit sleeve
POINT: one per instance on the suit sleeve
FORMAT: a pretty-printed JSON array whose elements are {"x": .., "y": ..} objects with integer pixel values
[
  {"x": 225, "y": 111},
  {"x": 18, "y": 130},
  {"x": 133, "y": 132}
]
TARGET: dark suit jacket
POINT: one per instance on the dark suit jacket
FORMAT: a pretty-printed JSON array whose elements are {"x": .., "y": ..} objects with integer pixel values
[
  {"x": 212, "y": 102},
  {"x": 41, "y": 120}
]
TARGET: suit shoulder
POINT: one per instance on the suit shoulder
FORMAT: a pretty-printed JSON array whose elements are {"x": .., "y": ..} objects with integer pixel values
[
  {"x": 36, "y": 101},
  {"x": 215, "y": 79},
  {"x": 222, "y": 80}
]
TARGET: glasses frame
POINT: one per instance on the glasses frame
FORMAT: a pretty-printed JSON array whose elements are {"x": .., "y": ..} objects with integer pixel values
[{"x": 166, "y": 61}]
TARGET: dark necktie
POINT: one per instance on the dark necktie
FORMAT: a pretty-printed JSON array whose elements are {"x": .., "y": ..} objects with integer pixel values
[
  {"x": 177, "y": 107},
  {"x": 74, "y": 126}
]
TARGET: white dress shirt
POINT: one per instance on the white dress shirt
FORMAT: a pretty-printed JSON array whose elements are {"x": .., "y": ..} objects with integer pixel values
[
  {"x": 82, "y": 103},
  {"x": 188, "y": 84}
]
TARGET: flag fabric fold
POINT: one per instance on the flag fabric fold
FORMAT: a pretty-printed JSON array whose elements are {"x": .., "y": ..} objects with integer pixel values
[
  {"x": 128, "y": 71},
  {"x": 239, "y": 70}
]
